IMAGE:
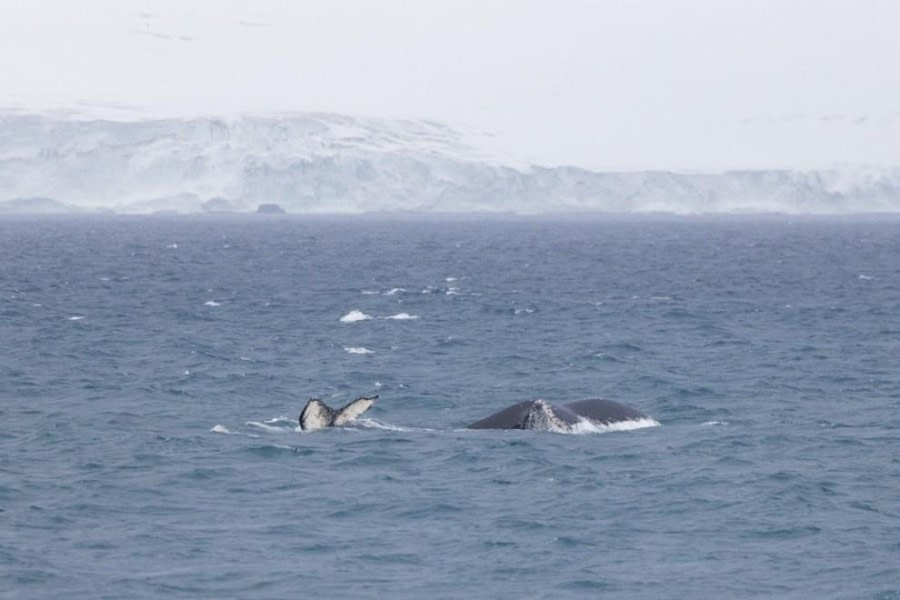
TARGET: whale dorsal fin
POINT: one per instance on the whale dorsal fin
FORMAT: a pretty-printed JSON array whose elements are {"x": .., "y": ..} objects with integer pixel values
[
  {"x": 354, "y": 410},
  {"x": 316, "y": 415}
]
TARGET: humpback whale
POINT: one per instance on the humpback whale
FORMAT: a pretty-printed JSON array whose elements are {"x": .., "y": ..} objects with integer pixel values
[
  {"x": 316, "y": 414},
  {"x": 539, "y": 414}
]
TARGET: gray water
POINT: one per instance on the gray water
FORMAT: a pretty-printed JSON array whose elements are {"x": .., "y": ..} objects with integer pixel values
[{"x": 152, "y": 370}]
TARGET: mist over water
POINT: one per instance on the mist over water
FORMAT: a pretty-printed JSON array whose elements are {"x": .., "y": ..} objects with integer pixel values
[{"x": 153, "y": 369}]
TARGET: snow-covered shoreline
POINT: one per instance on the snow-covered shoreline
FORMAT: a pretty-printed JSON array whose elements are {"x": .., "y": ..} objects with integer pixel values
[{"x": 318, "y": 163}]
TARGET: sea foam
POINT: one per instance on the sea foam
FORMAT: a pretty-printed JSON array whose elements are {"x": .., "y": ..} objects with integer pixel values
[
  {"x": 586, "y": 426},
  {"x": 358, "y": 350},
  {"x": 354, "y": 316}
]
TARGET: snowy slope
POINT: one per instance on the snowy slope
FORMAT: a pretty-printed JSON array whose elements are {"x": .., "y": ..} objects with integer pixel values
[{"x": 323, "y": 163}]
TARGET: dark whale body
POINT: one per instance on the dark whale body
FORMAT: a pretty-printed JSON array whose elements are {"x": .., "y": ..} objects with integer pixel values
[{"x": 538, "y": 414}]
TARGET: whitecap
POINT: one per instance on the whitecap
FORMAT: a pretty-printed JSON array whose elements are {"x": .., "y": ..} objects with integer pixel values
[
  {"x": 866, "y": 277},
  {"x": 354, "y": 315},
  {"x": 212, "y": 303},
  {"x": 374, "y": 424},
  {"x": 402, "y": 317},
  {"x": 585, "y": 426},
  {"x": 222, "y": 429},
  {"x": 449, "y": 279},
  {"x": 76, "y": 317},
  {"x": 714, "y": 423},
  {"x": 358, "y": 350},
  {"x": 394, "y": 291},
  {"x": 453, "y": 291},
  {"x": 370, "y": 293},
  {"x": 269, "y": 428}
]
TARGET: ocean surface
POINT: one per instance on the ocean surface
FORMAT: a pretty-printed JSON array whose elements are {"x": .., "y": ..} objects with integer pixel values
[{"x": 152, "y": 370}]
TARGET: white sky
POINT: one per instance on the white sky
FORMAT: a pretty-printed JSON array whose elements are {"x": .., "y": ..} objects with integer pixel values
[{"x": 673, "y": 84}]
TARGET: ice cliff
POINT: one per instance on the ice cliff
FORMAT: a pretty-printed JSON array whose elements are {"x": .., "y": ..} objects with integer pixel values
[{"x": 322, "y": 163}]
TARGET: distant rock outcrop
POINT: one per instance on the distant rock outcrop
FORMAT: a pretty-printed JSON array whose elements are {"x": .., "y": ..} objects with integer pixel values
[
  {"x": 270, "y": 209},
  {"x": 218, "y": 205}
]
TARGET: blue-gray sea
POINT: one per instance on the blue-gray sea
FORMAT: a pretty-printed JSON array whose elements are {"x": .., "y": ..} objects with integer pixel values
[{"x": 152, "y": 370}]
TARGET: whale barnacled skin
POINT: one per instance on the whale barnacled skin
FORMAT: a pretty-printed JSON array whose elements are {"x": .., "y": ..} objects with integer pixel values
[{"x": 538, "y": 414}]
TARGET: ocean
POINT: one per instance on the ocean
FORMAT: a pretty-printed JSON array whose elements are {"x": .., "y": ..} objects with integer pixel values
[{"x": 153, "y": 369}]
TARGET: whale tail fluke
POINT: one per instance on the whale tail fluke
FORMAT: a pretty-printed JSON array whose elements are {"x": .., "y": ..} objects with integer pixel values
[
  {"x": 354, "y": 410},
  {"x": 318, "y": 415}
]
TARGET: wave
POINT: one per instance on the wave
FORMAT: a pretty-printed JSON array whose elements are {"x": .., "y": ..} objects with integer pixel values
[
  {"x": 358, "y": 350},
  {"x": 353, "y": 316},
  {"x": 584, "y": 426},
  {"x": 357, "y": 315},
  {"x": 375, "y": 424},
  {"x": 284, "y": 425},
  {"x": 278, "y": 425}
]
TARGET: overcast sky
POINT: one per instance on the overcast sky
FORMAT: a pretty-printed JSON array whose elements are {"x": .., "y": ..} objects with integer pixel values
[{"x": 606, "y": 84}]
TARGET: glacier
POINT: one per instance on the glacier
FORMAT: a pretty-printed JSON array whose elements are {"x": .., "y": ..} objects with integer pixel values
[{"x": 319, "y": 163}]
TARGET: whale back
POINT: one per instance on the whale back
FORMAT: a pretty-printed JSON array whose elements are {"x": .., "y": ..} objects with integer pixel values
[
  {"x": 512, "y": 417},
  {"x": 530, "y": 414},
  {"x": 540, "y": 415},
  {"x": 603, "y": 411}
]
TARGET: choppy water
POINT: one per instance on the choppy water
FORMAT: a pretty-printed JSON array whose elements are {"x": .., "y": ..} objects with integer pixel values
[{"x": 152, "y": 370}]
